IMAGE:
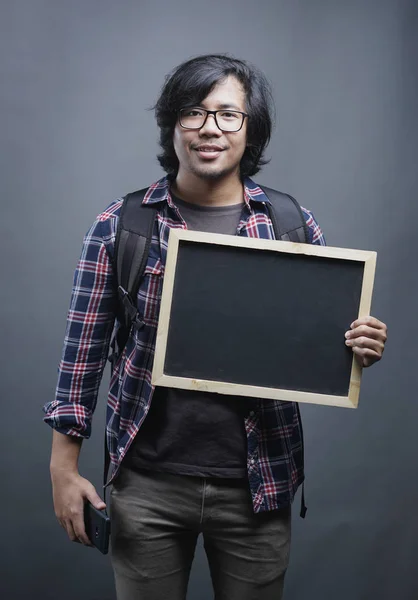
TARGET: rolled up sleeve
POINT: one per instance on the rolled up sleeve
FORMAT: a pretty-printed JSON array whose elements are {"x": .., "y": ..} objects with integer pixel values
[{"x": 89, "y": 327}]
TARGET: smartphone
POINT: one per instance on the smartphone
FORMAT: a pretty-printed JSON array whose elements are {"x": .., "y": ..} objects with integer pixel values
[{"x": 97, "y": 525}]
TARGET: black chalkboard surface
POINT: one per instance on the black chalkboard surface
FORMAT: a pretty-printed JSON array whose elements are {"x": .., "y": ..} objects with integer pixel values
[{"x": 261, "y": 318}]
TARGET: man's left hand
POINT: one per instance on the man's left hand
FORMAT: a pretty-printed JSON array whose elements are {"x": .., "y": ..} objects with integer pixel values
[{"x": 367, "y": 338}]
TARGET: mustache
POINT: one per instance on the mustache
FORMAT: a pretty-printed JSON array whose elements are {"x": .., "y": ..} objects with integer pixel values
[{"x": 208, "y": 145}]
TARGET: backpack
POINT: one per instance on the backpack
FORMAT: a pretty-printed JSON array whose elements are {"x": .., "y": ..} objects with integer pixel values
[
  {"x": 133, "y": 240},
  {"x": 132, "y": 244}
]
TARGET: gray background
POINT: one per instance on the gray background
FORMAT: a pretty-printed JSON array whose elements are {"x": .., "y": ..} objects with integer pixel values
[{"x": 77, "y": 78}]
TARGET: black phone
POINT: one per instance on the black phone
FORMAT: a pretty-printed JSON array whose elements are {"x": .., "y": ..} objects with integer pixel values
[{"x": 97, "y": 525}]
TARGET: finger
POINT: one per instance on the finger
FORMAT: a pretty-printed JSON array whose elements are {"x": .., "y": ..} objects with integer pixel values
[
  {"x": 366, "y": 343},
  {"x": 366, "y": 356},
  {"x": 77, "y": 519},
  {"x": 370, "y": 321},
  {"x": 68, "y": 526},
  {"x": 366, "y": 331},
  {"x": 95, "y": 499},
  {"x": 80, "y": 531}
]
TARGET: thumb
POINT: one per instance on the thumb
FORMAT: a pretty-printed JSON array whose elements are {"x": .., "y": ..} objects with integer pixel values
[{"x": 95, "y": 500}]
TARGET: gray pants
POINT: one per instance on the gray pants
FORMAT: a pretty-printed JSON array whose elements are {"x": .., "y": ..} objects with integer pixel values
[{"x": 156, "y": 519}]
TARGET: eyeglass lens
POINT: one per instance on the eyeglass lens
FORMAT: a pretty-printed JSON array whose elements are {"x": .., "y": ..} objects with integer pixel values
[{"x": 227, "y": 120}]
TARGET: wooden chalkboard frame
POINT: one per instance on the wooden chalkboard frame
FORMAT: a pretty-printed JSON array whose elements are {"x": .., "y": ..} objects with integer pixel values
[{"x": 159, "y": 378}]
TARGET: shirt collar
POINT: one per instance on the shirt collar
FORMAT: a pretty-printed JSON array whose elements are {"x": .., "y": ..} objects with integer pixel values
[{"x": 160, "y": 192}]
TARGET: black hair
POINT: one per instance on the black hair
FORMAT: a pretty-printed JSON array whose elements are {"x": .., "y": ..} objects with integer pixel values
[{"x": 191, "y": 82}]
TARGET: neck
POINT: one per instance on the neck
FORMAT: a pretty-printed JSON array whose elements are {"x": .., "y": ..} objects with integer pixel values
[{"x": 219, "y": 192}]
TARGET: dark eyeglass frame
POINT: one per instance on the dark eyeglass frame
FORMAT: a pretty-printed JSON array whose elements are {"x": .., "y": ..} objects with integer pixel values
[{"x": 214, "y": 113}]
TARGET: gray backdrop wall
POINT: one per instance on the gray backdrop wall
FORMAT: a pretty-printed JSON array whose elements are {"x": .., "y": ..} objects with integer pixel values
[{"x": 77, "y": 79}]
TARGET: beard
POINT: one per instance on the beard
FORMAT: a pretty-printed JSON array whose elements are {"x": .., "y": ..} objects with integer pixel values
[{"x": 212, "y": 173}]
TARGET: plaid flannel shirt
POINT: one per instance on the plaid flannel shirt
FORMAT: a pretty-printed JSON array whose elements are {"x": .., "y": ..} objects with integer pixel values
[{"x": 275, "y": 445}]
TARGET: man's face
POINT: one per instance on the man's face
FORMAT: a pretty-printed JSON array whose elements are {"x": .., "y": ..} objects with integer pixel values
[{"x": 210, "y": 153}]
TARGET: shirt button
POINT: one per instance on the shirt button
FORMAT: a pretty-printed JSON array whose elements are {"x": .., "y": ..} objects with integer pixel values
[{"x": 252, "y": 413}]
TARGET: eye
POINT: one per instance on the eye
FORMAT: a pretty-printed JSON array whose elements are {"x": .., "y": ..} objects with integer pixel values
[
  {"x": 229, "y": 115},
  {"x": 192, "y": 112}
]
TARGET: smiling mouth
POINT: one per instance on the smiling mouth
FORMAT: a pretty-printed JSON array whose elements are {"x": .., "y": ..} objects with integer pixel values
[{"x": 209, "y": 152}]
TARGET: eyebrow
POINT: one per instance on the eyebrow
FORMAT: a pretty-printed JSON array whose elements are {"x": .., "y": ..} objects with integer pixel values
[{"x": 225, "y": 106}]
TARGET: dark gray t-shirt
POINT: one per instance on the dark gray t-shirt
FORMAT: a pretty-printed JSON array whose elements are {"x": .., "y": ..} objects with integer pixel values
[
  {"x": 195, "y": 433},
  {"x": 213, "y": 219}
]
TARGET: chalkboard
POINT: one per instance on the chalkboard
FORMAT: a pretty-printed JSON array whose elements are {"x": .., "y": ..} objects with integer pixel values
[{"x": 261, "y": 318}]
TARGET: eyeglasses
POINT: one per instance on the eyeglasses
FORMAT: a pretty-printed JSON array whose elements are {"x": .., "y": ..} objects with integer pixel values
[{"x": 226, "y": 120}]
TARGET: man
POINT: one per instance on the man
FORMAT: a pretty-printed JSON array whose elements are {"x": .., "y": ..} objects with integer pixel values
[{"x": 185, "y": 463}]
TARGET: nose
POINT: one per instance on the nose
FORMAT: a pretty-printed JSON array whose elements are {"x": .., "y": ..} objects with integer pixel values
[{"x": 210, "y": 127}]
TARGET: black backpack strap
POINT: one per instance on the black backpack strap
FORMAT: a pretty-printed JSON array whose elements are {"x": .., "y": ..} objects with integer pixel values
[
  {"x": 290, "y": 226},
  {"x": 286, "y": 216},
  {"x": 133, "y": 240},
  {"x": 303, "y": 507},
  {"x": 132, "y": 244},
  {"x": 106, "y": 465}
]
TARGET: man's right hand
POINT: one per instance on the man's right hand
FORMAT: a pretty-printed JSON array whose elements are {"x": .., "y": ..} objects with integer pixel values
[{"x": 70, "y": 492}]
